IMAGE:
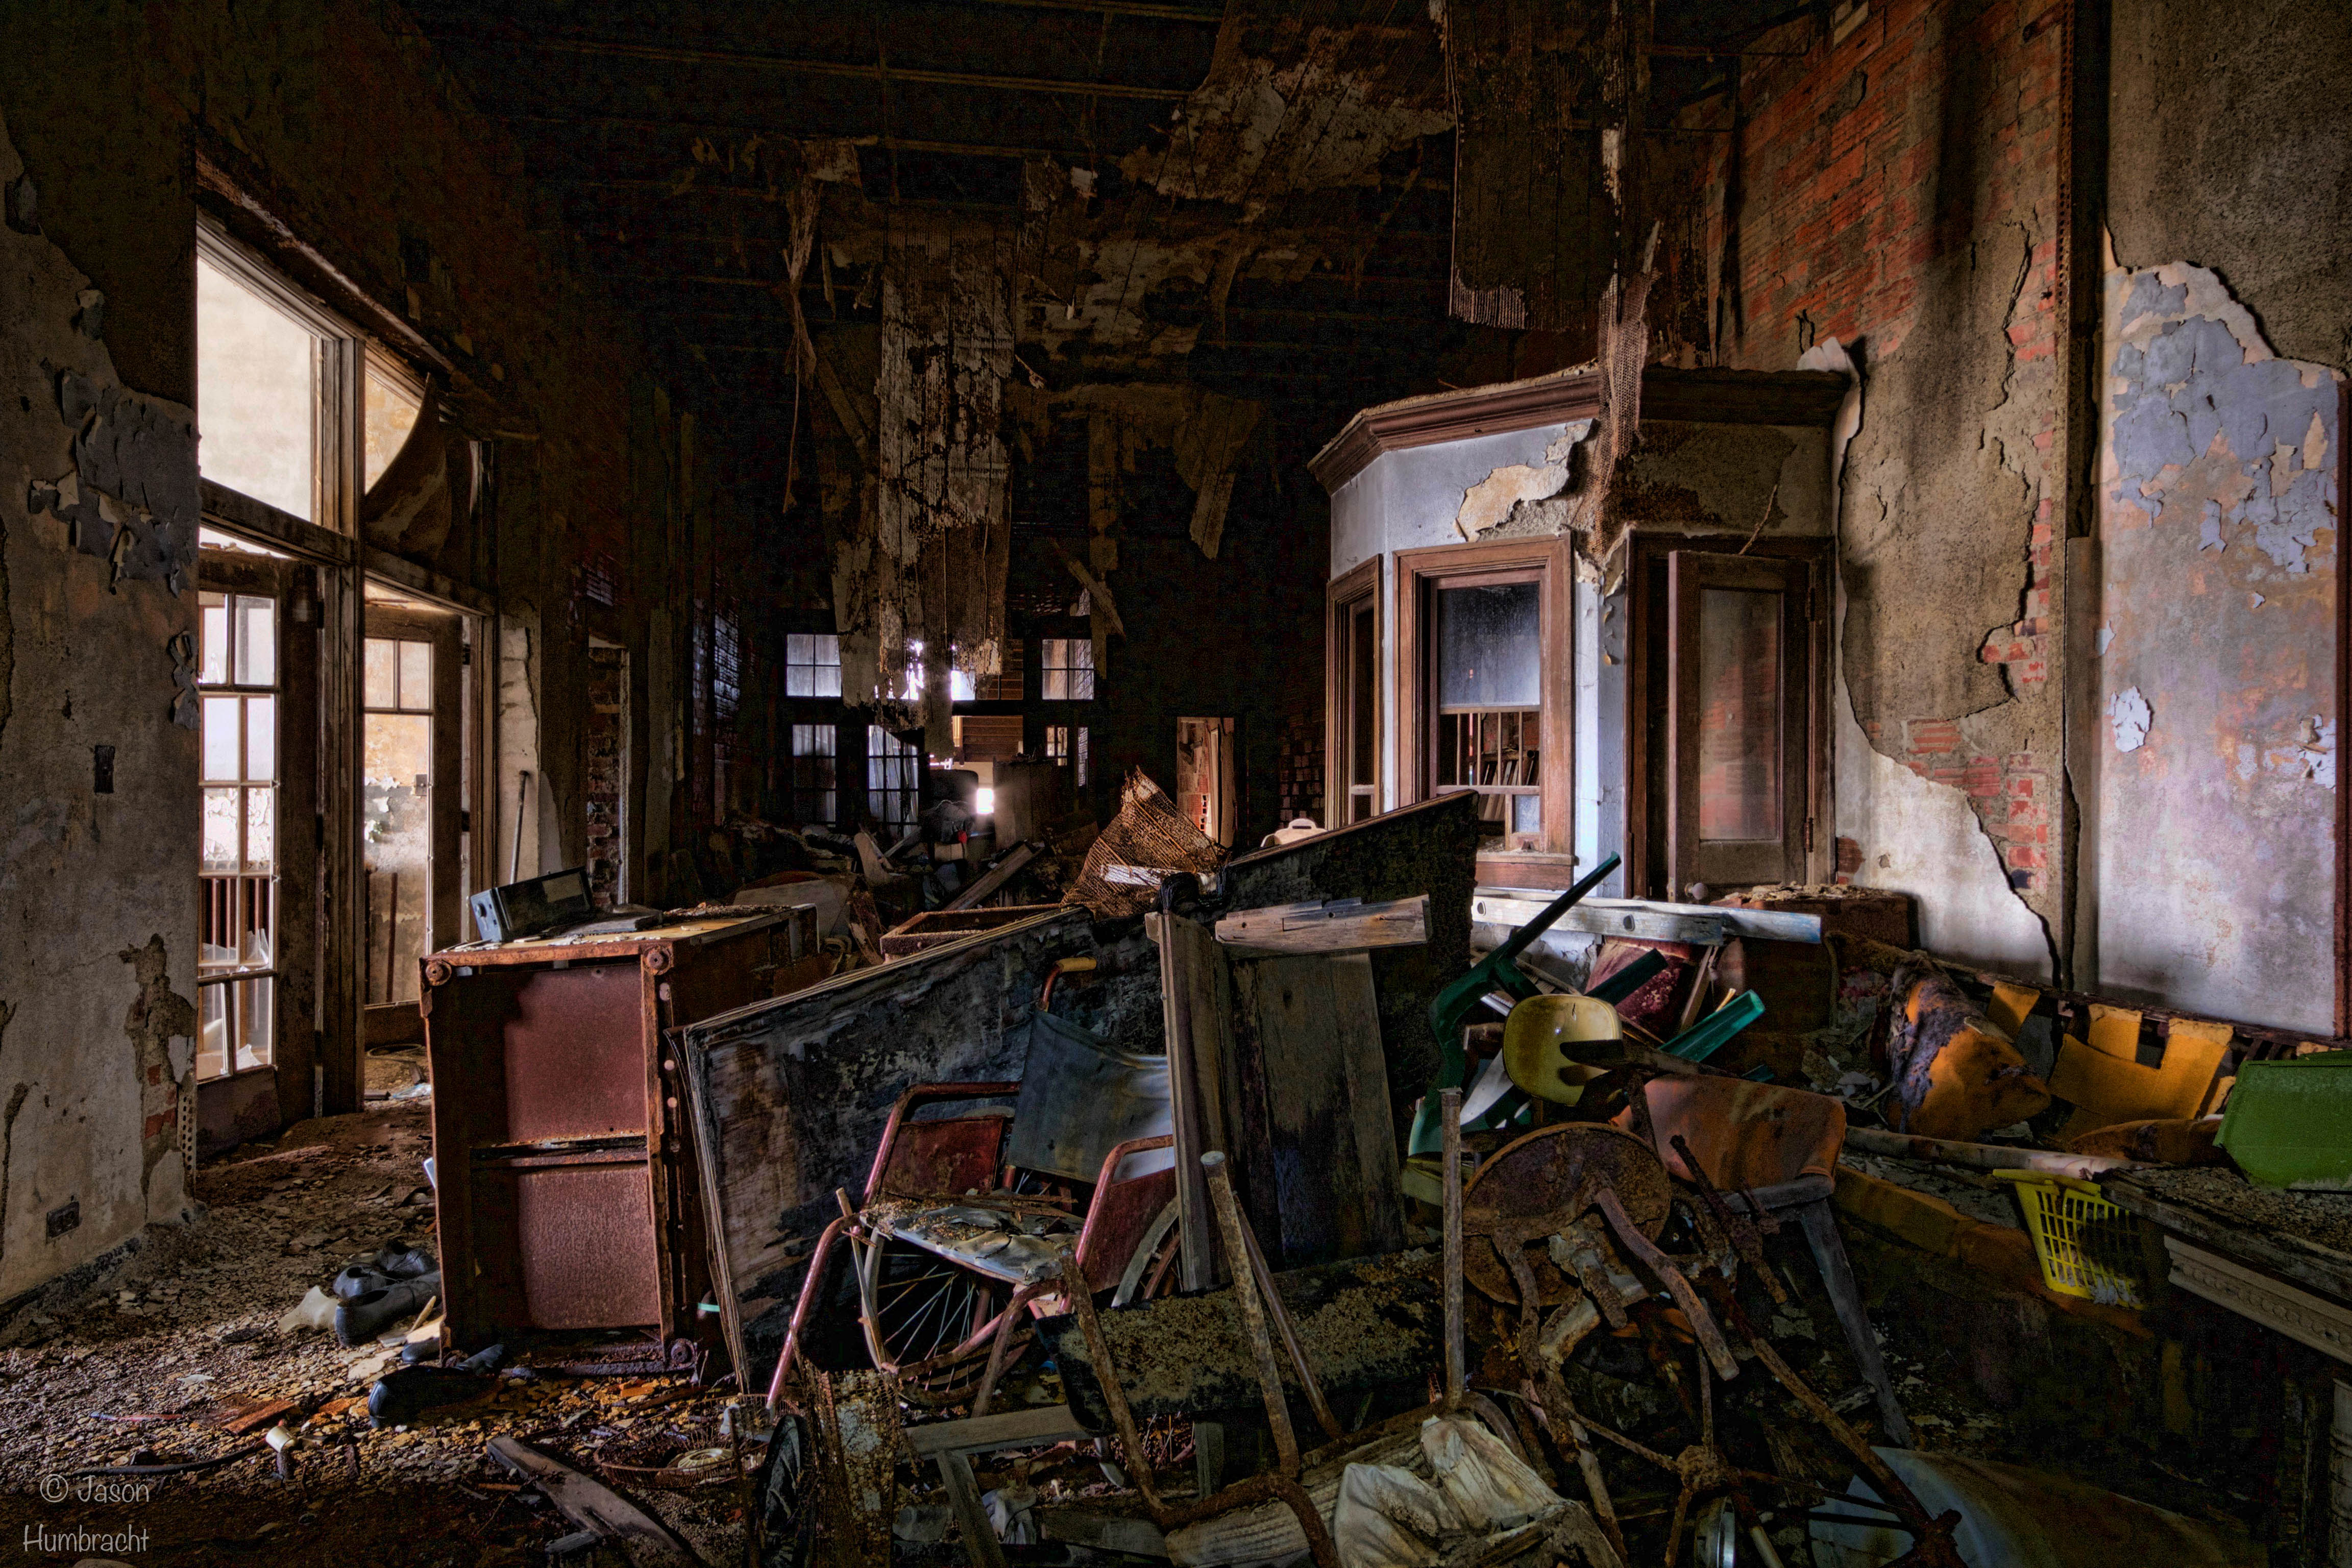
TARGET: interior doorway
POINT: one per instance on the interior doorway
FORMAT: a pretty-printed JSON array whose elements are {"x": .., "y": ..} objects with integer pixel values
[
  {"x": 1205, "y": 775},
  {"x": 412, "y": 800}
]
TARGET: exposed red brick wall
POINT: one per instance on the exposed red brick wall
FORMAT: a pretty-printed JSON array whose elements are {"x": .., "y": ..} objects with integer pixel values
[{"x": 1845, "y": 150}]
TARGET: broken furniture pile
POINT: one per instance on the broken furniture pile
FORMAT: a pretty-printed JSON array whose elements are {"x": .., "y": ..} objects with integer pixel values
[{"x": 1277, "y": 1221}]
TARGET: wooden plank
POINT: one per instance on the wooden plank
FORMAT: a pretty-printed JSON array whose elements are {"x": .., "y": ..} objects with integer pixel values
[
  {"x": 1196, "y": 1009},
  {"x": 2304, "y": 1261},
  {"x": 979, "y": 1542},
  {"x": 1312, "y": 1026},
  {"x": 1003, "y": 871},
  {"x": 1652, "y": 920},
  {"x": 1011, "y": 1429},
  {"x": 643, "y": 1540},
  {"x": 1334, "y": 926}
]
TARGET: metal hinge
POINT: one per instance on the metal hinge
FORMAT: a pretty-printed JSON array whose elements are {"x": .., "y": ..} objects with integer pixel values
[
  {"x": 465, "y": 821},
  {"x": 465, "y": 655}
]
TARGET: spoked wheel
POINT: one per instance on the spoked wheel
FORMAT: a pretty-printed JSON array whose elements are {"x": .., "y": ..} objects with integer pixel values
[
  {"x": 919, "y": 1310},
  {"x": 1154, "y": 1268},
  {"x": 787, "y": 1497}
]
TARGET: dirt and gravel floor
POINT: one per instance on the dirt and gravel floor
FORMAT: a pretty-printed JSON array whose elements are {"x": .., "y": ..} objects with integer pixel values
[{"x": 164, "y": 1360}]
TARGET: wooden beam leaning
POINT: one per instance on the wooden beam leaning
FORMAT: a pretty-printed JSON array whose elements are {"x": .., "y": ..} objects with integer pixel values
[{"x": 1338, "y": 925}]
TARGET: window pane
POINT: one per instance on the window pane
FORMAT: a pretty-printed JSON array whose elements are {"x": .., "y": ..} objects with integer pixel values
[
  {"x": 257, "y": 391},
  {"x": 1489, "y": 646},
  {"x": 221, "y": 739},
  {"x": 257, "y": 641},
  {"x": 1056, "y": 685},
  {"x": 391, "y": 414},
  {"x": 1527, "y": 814},
  {"x": 220, "y": 829},
  {"x": 261, "y": 739},
  {"x": 416, "y": 677},
  {"x": 1740, "y": 715},
  {"x": 1361, "y": 696},
  {"x": 381, "y": 677},
  {"x": 255, "y": 1013},
  {"x": 212, "y": 1031},
  {"x": 260, "y": 828},
  {"x": 213, "y": 628}
]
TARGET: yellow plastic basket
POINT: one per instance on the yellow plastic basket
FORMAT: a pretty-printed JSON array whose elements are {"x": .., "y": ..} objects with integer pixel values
[{"x": 2088, "y": 1247}]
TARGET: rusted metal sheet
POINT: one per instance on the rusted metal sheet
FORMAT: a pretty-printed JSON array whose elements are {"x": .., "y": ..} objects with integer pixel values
[
  {"x": 1369, "y": 1323},
  {"x": 566, "y": 1197}
]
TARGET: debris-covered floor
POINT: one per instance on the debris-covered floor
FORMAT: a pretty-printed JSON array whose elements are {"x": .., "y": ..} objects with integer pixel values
[{"x": 179, "y": 1356}]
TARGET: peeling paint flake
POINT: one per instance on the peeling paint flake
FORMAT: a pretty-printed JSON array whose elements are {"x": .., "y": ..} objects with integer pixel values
[{"x": 2131, "y": 717}]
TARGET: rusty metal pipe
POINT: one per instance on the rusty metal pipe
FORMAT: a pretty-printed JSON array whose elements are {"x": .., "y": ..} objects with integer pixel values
[
  {"x": 1702, "y": 1323},
  {"x": 811, "y": 1287},
  {"x": 1122, "y": 1414},
  {"x": 1280, "y": 1315},
  {"x": 1251, "y": 1310},
  {"x": 1003, "y": 1323}
]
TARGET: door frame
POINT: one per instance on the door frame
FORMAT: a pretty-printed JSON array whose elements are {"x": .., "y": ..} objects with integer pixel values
[
  {"x": 1648, "y": 671},
  {"x": 1354, "y": 590}
]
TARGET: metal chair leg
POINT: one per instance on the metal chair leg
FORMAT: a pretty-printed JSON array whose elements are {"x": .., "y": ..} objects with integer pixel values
[{"x": 1846, "y": 1299}]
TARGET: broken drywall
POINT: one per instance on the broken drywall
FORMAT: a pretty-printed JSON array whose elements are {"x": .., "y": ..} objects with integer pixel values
[
  {"x": 1761, "y": 480},
  {"x": 1299, "y": 96},
  {"x": 1922, "y": 838},
  {"x": 1934, "y": 536},
  {"x": 1499, "y": 497},
  {"x": 2213, "y": 871},
  {"x": 86, "y": 623}
]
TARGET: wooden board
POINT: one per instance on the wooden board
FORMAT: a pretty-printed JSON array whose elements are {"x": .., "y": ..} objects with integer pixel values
[
  {"x": 1429, "y": 847},
  {"x": 1328, "y": 926},
  {"x": 1196, "y": 1007},
  {"x": 1322, "y": 1175}
]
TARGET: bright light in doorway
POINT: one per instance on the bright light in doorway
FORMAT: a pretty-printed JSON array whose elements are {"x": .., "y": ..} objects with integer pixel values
[{"x": 985, "y": 804}]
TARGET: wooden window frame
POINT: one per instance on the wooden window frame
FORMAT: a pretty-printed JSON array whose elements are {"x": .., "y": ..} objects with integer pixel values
[
  {"x": 1421, "y": 572},
  {"x": 1648, "y": 706},
  {"x": 1343, "y": 596}
]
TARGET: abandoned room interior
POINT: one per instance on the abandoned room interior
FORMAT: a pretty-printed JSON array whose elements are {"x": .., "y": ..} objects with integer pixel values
[{"x": 1090, "y": 783}]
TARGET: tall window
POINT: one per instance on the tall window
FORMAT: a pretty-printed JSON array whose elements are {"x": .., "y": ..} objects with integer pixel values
[
  {"x": 237, "y": 945},
  {"x": 1066, "y": 666},
  {"x": 815, "y": 749},
  {"x": 258, "y": 390},
  {"x": 1351, "y": 750},
  {"x": 1485, "y": 689},
  {"x": 811, "y": 664},
  {"x": 894, "y": 777}
]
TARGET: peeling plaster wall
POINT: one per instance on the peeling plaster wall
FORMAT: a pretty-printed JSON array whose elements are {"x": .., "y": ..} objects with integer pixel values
[
  {"x": 97, "y": 930},
  {"x": 2216, "y": 779},
  {"x": 1898, "y": 197},
  {"x": 338, "y": 119}
]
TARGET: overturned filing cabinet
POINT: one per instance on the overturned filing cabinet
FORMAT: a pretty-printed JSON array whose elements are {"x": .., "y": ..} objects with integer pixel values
[{"x": 567, "y": 1191}]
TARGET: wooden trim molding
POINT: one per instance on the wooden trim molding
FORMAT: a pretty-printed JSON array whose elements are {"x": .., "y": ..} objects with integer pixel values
[
  {"x": 1417, "y": 570},
  {"x": 1359, "y": 582},
  {"x": 1702, "y": 396}
]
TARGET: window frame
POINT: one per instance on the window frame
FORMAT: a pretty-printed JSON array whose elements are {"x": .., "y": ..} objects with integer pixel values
[
  {"x": 1420, "y": 574},
  {"x": 338, "y": 429},
  {"x": 1344, "y": 597}
]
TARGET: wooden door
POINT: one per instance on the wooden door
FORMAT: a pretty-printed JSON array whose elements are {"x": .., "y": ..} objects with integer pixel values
[
  {"x": 257, "y": 664},
  {"x": 1739, "y": 674},
  {"x": 410, "y": 802}
]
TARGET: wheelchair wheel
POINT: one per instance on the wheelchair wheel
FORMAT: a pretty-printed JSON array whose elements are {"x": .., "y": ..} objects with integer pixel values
[{"x": 918, "y": 1309}]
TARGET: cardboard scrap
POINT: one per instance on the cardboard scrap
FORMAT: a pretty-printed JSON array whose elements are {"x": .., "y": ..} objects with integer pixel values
[{"x": 2103, "y": 1077}]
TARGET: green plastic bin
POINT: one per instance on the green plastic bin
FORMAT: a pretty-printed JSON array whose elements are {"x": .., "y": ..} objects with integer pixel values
[{"x": 2288, "y": 1123}]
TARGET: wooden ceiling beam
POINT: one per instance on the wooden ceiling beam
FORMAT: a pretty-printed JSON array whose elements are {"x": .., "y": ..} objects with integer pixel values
[{"x": 877, "y": 72}]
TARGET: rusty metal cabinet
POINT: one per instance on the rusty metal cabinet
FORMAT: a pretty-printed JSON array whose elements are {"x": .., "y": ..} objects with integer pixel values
[{"x": 567, "y": 1198}]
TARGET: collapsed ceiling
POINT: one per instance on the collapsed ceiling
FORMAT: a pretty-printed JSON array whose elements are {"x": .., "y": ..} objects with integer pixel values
[{"x": 1145, "y": 216}]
